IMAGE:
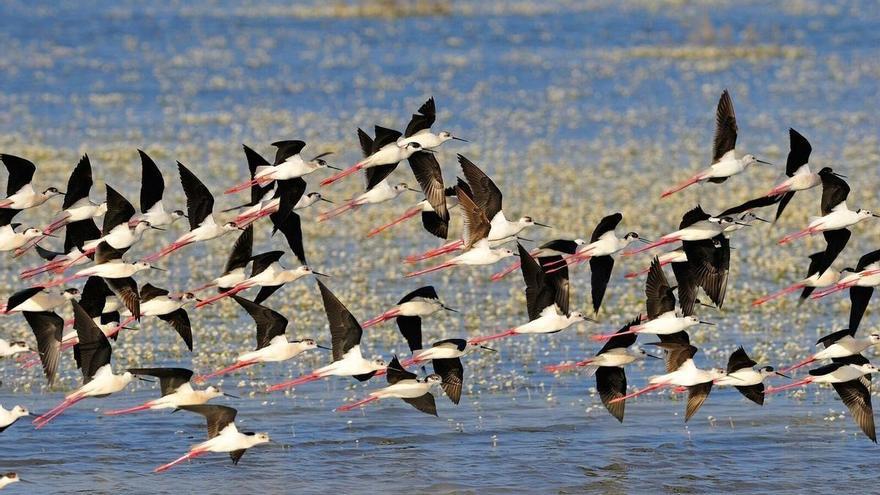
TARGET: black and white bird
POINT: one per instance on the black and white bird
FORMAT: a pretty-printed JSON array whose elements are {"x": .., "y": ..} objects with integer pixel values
[
  {"x": 223, "y": 436},
  {"x": 20, "y": 192},
  {"x": 79, "y": 237},
  {"x": 381, "y": 155},
  {"x": 170, "y": 308},
  {"x": 741, "y": 373},
  {"x": 152, "y": 193},
  {"x": 839, "y": 344},
  {"x": 608, "y": 366},
  {"x": 419, "y": 129},
  {"x": 860, "y": 282},
  {"x": 403, "y": 385},
  {"x": 272, "y": 343},
  {"x": 92, "y": 354},
  {"x": 200, "y": 213},
  {"x": 707, "y": 267},
  {"x": 836, "y": 214},
  {"x": 10, "y": 239},
  {"x": 289, "y": 164},
  {"x": 797, "y": 169},
  {"x": 37, "y": 298},
  {"x": 419, "y": 303},
  {"x": 77, "y": 205},
  {"x": 820, "y": 274},
  {"x": 547, "y": 301},
  {"x": 8, "y": 417},
  {"x": 236, "y": 264},
  {"x": 176, "y": 390},
  {"x": 724, "y": 161},
  {"x": 346, "y": 336}
]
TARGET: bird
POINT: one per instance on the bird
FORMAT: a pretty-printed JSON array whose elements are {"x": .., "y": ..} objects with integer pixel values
[
  {"x": 8, "y": 478},
  {"x": 267, "y": 273},
  {"x": 174, "y": 384},
  {"x": 200, "y": 206},
  {"x": 603, "y": 244},
  {"x": 477, "y": 249},
  {"x": 382, "y": 153},
  {"x": 435, "y": 207},
  {"x": 110, "y": 266},
  {"x": 847, "y": 380},
  {"x": 724, "y": 161},
  {"x": 223, "y": 436},
  {"x": 381, "y": 192},
  {"x": 419, "y": 303},
  {"x": 272, "y": 345},
  {"x": 707, "y": 267},
  {"x": 836, "y": 214},
  {"x": 8, "y": 417},
  {"x": 38, "y": 298},
  {"x": 289, "y": 164},
  {"x": 77, "y": 205},
  {"x": 695, "y": 225},
  {"x": 309, "y": 199},
  {"x": 555, "y": 247},
  {"x": 663, "y": 319},
  {"x": 10, "y": 349},
  {"x": 234, "y": 270},
  {"x": 547, "y": 301},
  {"x": 20, "y": 192},
  {"x": 79, "y": 238},
  {"x": 419, "y": 129},
  {"x": 698, "y": 382},
  {"x": 158, "y": 302},
  {"x": 152, "y": 193},
  {"x": 92, "y": 353},
  {"x": 346, "y": 336},
  {"x": 488, "y": 197},
  {"x": 860, "y": 281},
  {"x": 608, "y": 366},
  {"x": 403, "y": 385},
  {"x": 820, "y": 274},
  {"x": 10, "y": 240},
  {"x": 48, "y": 328},
  {"x": 839, "y": 344},
  {"x": 797, "y": 169},
  {"x": 741, "y": 373}
]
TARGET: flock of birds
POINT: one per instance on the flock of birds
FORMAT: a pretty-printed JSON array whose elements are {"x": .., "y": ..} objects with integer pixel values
[{"x": 111, "y": 299}]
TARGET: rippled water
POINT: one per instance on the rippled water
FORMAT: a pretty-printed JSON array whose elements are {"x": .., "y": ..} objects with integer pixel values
[{"x": 576, "y": 108}]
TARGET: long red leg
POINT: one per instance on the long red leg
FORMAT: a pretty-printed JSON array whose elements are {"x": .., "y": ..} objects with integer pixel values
[
  {"x": 190, "y": 455},
  {"x": 230, "y": 292},
  {"x": 608, "y": 336},
  {"x": 118, "y": 412},
  {"x": 341, "y": 175},
  {"x": 229, "y": 369},
  {"x": 639, "y": 392},
  {"x": 800, "y": 364},
  {"x": 433, "y": 253},
  {"x": 787, "y": 290},
  {"x": 293, "y": 383},
  {"x": 480, "y": 340},
  {"x": 349, "y": 407},
  {"x": 393, "y": 313},
  {"x": 799, "y": 383},
  {"x": 657, "y": 243},
  {"x": 555, "y": 368},
  {"x": 46, "y": 418},
  {"x": 693, "y": 180},
  {"x": 406, "y": 216}
]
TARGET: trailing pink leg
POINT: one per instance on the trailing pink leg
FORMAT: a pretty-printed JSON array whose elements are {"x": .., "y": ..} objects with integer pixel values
[
  {"x": 54, "y": 413},
  {"x": 229, "y": 369},
  {"x": 293, "y": 383},
  {"x": 429, "y": 270},
  {"x": 231, "y": 292},
  {"x": 797, "y": 235},
  {"x": 433, "y": 253},
  {"x": 349, "y": 407},
  {"x": 831, "y": 290},
  {"x": 787, "y": 290},
  {"x": 392, "y": 313},
  {"x": 799, "y": 383},
  {"x": 245, "y": 185},
  {"x": 609, "y": 336},
  {"x": 556, "y": 368},
  {"x": 637, "y": 393},
  {"x": 800, "y": 364},
  {"x": 507, "y": 271},
  {"x": 480, "y": 340},
  {"x": 406, "y": 216},
  {"x": 192, "y": 454},
  {"x": 693, "y": 180},
  {"x": 119, "y": 412},
  {"x": 339, "y": 210},
  {"x": 341, "y": 175},
  {"x": 659, "y": 242}
]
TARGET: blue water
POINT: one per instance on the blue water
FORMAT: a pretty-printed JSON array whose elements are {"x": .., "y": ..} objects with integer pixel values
[{"x": 566, "y": 113}]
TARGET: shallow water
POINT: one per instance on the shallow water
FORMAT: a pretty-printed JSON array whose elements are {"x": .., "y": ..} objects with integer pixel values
[{"x": 577, "y": 109}]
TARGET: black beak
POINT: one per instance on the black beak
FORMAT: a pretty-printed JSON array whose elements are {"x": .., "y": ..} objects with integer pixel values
[
  {"x": 523, "y": 239},
  {"x": 460, "y": 139},
  {"x": 707, "y": 323},
  {"x": 157, "y": 228},
  {"x": 324, "y": 347},
  {"x": 743, "y": 224},
  {"x": 334, "y": 168},
  {"x": 447, "y": 308},
  {"x": 542, "y": 225},
  {"x": 146, "y": 379},
  {"x": 157, "y": 268},
  {"x": 231, "y": 396},
  {"x": 761, "y": 219},
  {"x": 327, "y": 200},
  {"x": 488, "y": 348},
  {"x": 319, "y": 274},
  {"x": 652, "y": 356},
  {"x": 783, "y": 376},
  {"x": 762, "y": 161},
  {"x": 646, "y": 241}
]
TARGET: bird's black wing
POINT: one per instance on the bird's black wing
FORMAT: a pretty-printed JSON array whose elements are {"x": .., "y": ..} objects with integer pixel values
[
  {"x": 697, "y": 394},
  {"x": 47, "y": 327},
  {"x": 859, "y": 298},
  {"x": 422, "y": 120},
  {"x": 21, "y": 296},
  {"x": 126, "y": 290},
  {"x": 289, "y": 193},
  {"x": 79, "y": 184},
  {"x": 397, "y": 373},
  {"x": 241, "y": 250},
  {"x": 345, "y": 332},
  {"x": 687, "y": 286},
  {"x": 739, "y": 360},
  {"x": 611, "y": 385},
  {"x": 424, "y": 403},
  {"x": 659, "y": 295},
  {"x": 119, "y": 210},
  {"x": 600, "y": 274},
  {"x": 218, "y": 417},
  {"x": 366, "y": 142},
  {"x": 199, "y": 201},
  {"x": 78, "y": 233},
  {"x": 427, "y": 171},
  {"x": 384, "y": 137},
  {"x": 263, "y": 261},
  {"x": 725, "y": 127},
  {"x": 834, "y": 191},
  {"x": 150, "y": 291},
  {"x": 486, "y": 194},
  {"x": 621, "y": 341},
  {"x": 452, "y": 373},
  {"x": 857, "y": 398},
  {"x": 693, "y": 216},
  {"x": 868, "y": 259},
  {"x": 291, "y": 228},
  {"x": 179, "y": 321},
  {"x": 607, "y": 224},
  {"x": 169, "y": 378},
  {"x": 799, "y": 152},
  {"x": 754, "y": 393},
  {"x": 750, "y": 205},
  {"x": 435, "y": 224},
  {"x": 21, "y": 172},
  {"x": 539, "y": 294},
  {"x": 270, "y": 324},
  {"x": 411, "y": 329},
  {"x": 375, "y": 175},
  {"x": 92, "y": 350},
  {"x": 152, "y": 183}
]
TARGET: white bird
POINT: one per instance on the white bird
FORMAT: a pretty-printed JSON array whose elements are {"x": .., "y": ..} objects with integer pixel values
[
  {"x": 77, "y": 206},
  {"x": 419, "y": 129},
  {"x": 380, "y": 193},
  {"x": 223, "y": 436},
  {"x": 234, "y": 271},
  {"x": 8, "y": 417},
  {"x": 741, "y": 373},
  {"x": 476, "y": 243},
  {"x": 695, "y": 225},
  {"x": 419, "y": 303},
  {"x": 175, "y": 388},
  {"x": 8, "y": 478},
  {"x": 346, "y": 339},
  {"x": 289, "y": 164},
  {"x": 383, "y": 151},
  {"x": 403, "y": 385},
  {"x": 38, "y": 298},
  {"x": 94, "y": 352},
  {"x": 152, "y": 192},
  {"x": 272, "y": 344},
  {"x": 840, "y": 344},
  {"x": 20, "y": 192},
  {"x": 9, "y": 349},
  {"x": 724, "y": 161}
]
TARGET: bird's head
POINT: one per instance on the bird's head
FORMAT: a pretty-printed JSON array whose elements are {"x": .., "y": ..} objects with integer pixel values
[
  {"x": 51, "y": 192},
  {"x": 70, "y": 293},
  {"x": 20, "y": 412},
  {"x": 433, "y": 379},
  {"x": 865, "y": 214},
  {"x": 378, "y": 364},
  {"x": 32, "y": 233},
  {"x": 101, "y": 208},
  {"x": 874, "y": 338}
]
